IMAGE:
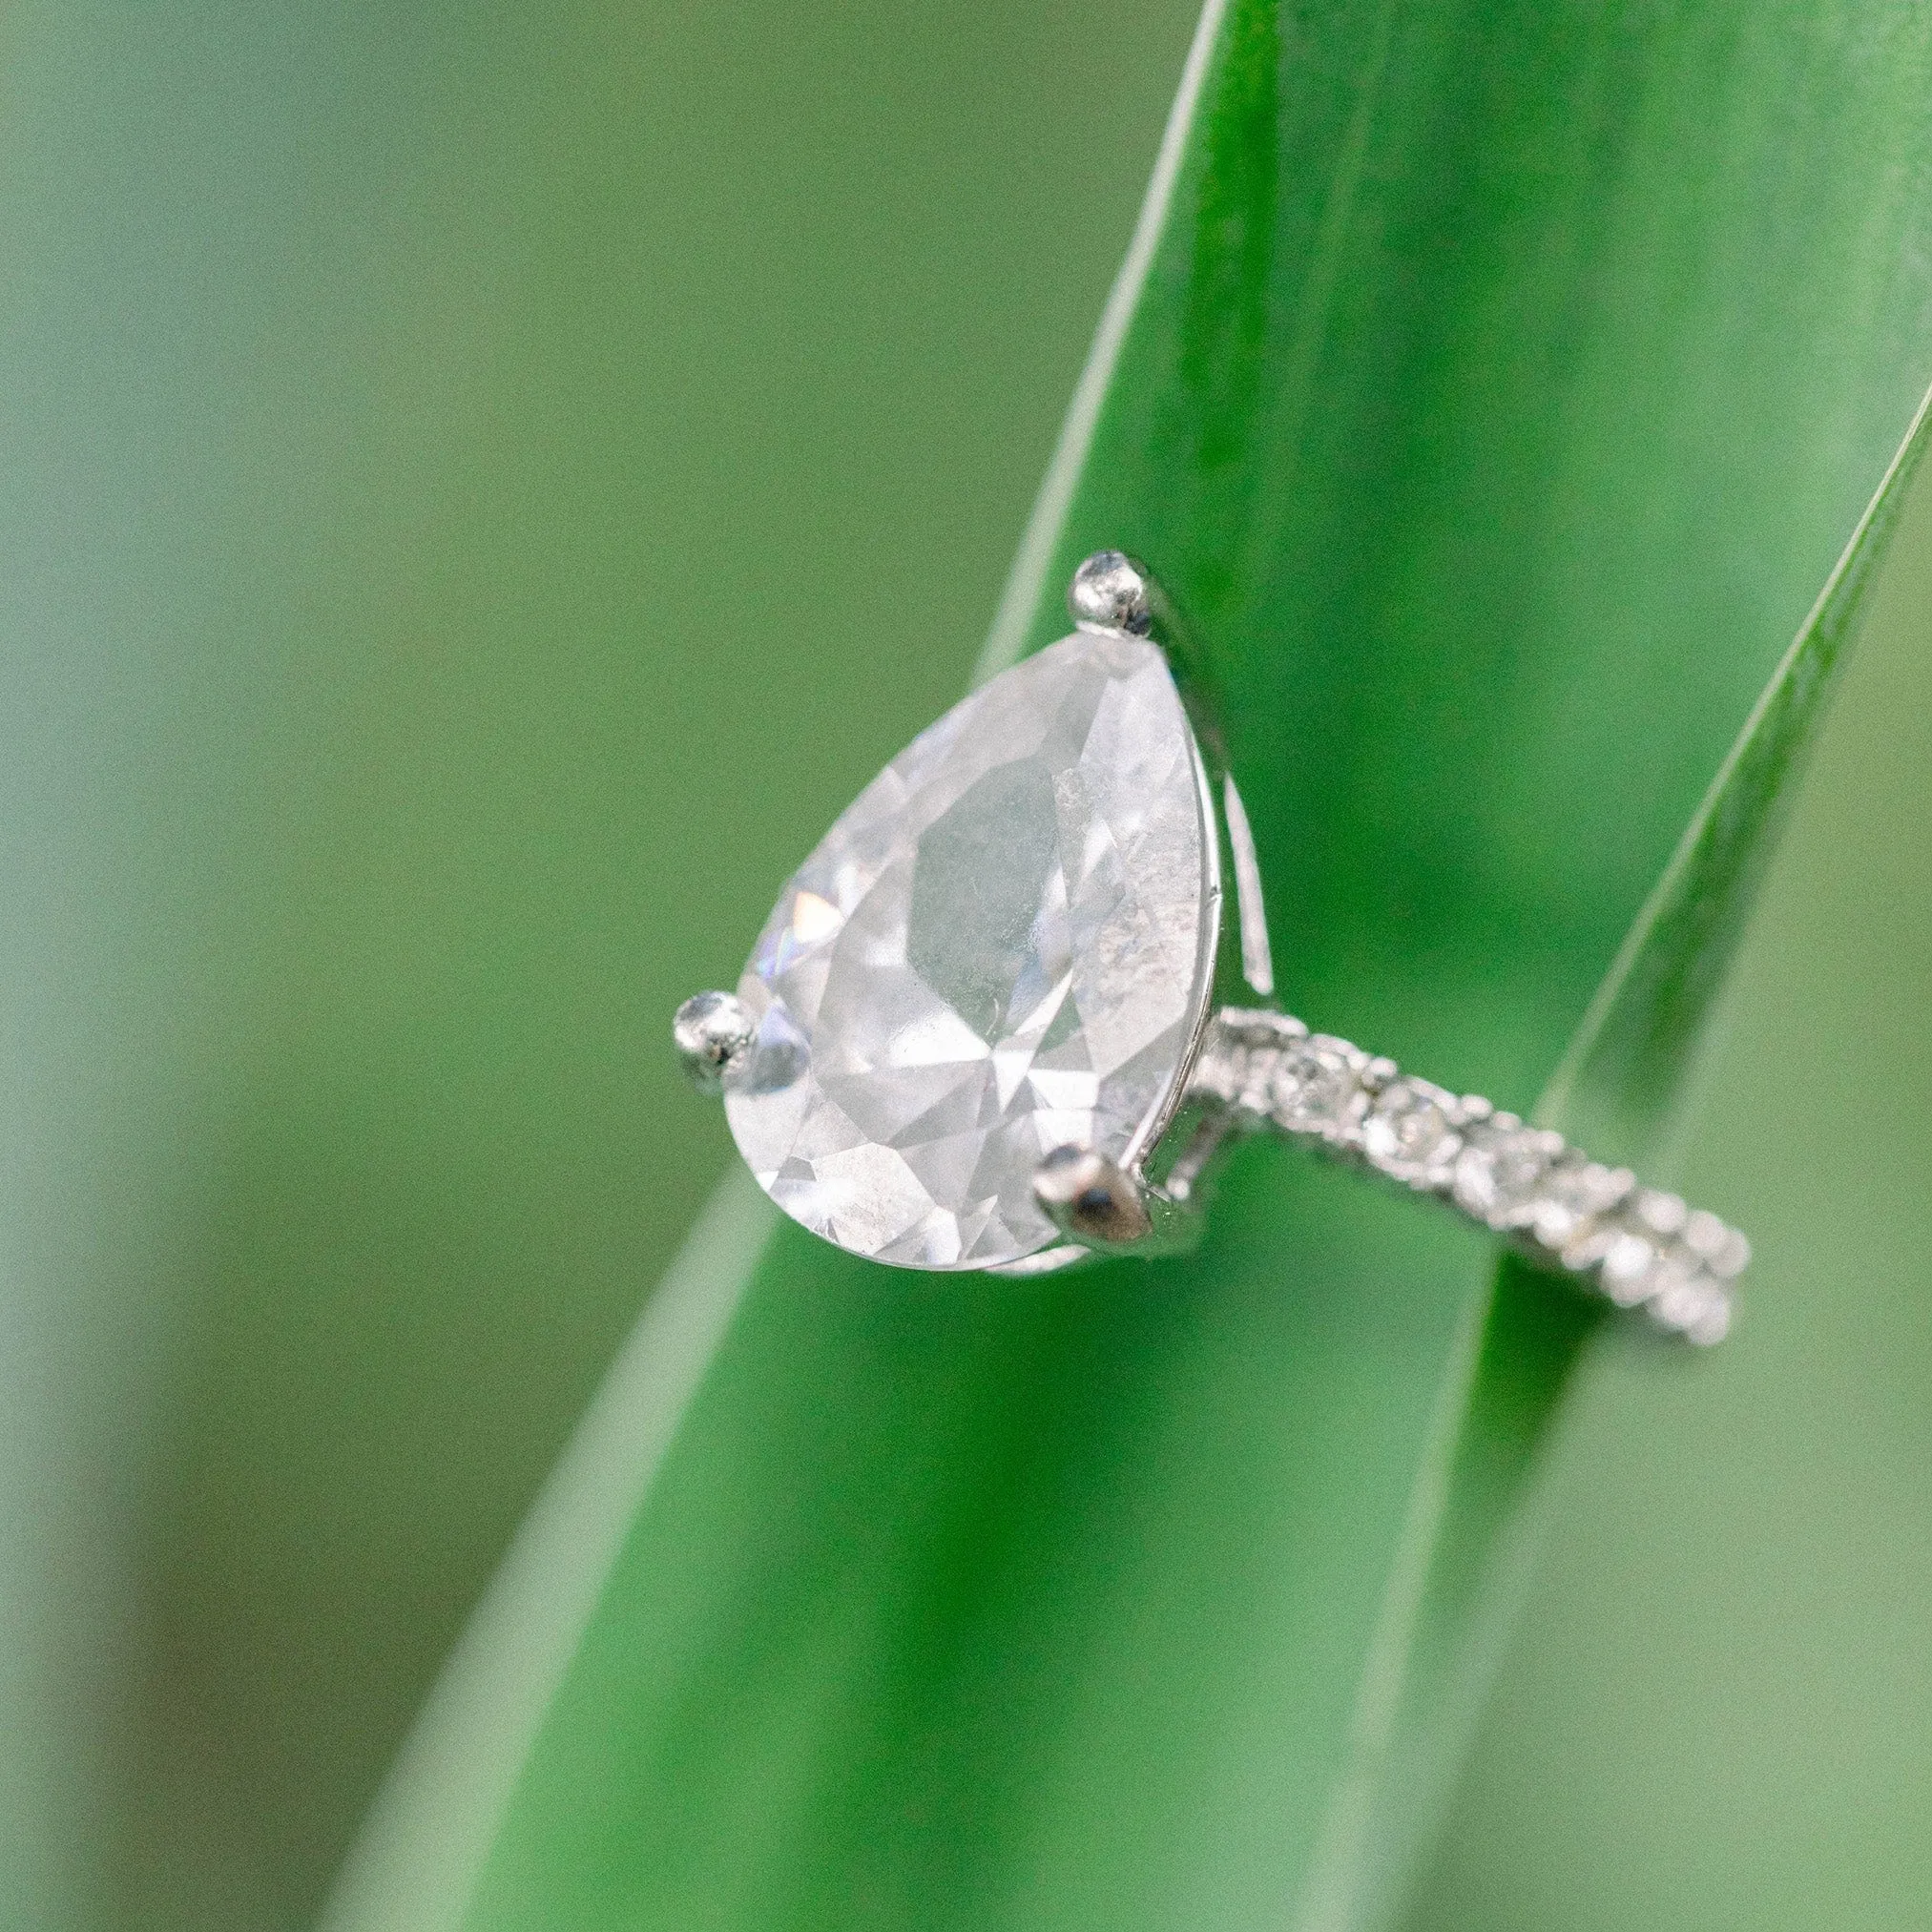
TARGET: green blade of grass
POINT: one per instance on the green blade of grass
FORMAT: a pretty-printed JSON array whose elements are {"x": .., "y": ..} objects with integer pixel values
[
  {"x": 1495, "y": 388},
  {"x": 1614, "y": 1091},
  {"x": 1628, "y": 1057}
]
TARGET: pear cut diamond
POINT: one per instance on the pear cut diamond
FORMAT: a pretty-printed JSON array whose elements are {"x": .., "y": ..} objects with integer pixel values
[{"x": 1004, "y": 945}]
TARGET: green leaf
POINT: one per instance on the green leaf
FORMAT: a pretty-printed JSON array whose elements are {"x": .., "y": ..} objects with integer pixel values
[
  {"x": 1614, "y": 1093},
  {"x": 1495, "y": 387},
  {"x": 1628, "y": 1057},
  {"x": 1702, "y": 1719}
]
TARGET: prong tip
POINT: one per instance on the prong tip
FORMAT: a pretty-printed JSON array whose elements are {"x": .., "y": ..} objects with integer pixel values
[
  {"x": 1091, "y": 1197},
  {"x": 712, "y": 1032},
  {"x": 1111, "y": 592}
]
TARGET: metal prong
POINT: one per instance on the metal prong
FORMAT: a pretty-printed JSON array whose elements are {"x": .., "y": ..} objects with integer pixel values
[
  {"x": 1211, "y": 1133},
  {"x": 1091, "y": 1198},
  {"x": 1258, "y": 965},
  {"x": 1111, "y": 592},
  {"x": 712, "y": 1033}
]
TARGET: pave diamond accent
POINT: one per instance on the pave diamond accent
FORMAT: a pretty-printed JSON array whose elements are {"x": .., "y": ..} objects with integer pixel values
[
  {"x": 1003, "y": 947},
  {"x": 1571, "y": 1195},
  {"x": 1639, "y": 1247},
  {"x": 1500, "y": 1171},
  {"x": 1316, "y": 1086},
  {"x": 1408, "y": 1133}
]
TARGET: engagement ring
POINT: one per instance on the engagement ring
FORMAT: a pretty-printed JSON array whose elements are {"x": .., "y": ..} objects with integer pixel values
[{"x": 1020, "y": 997}]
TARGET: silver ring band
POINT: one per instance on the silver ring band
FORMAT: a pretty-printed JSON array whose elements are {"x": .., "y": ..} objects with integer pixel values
[{"x": 1637, "y": 1246}]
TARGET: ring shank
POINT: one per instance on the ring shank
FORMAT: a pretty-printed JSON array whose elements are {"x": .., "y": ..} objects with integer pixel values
[{"x": 1639, "y": 1247}]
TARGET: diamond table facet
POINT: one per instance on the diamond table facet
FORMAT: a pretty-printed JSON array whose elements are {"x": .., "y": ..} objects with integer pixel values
[{"x": 1003, "y": 947}]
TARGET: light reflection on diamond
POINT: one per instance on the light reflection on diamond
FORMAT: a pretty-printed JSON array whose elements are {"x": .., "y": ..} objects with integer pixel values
[{"x": 814, "y": 919}]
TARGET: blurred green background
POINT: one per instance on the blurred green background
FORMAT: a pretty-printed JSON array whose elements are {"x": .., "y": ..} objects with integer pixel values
[
  {"x": 466, "y": 468},
  {"x": 1718, "y": 1708},
  {"x": 432, "y": 434}
]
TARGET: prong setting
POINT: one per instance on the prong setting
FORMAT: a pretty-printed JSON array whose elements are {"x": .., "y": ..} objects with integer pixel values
[
  {"x": 1111, "y": 592},
  {"x": 1091, "y": 1199},
  {"x": 712, "y": 1032}
]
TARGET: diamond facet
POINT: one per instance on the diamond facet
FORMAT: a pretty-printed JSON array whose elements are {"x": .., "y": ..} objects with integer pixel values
[{"x": 1004, "y": 946}]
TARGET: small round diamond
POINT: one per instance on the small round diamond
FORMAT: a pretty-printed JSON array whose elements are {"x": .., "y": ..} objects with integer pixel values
[
  {"x": 1628, "y": 1269},
  {"x": 1723, "y": 1249},
  {"x": 1573, "y": 1193},
  {"x": 1406, "y": 1132},
  {"x": 1499, "y": 1171},
  {"x": 1660, "y": 1213},
  {"x": 1692, "y": 1303},
  {"x": 1318, "y": 1086}
]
